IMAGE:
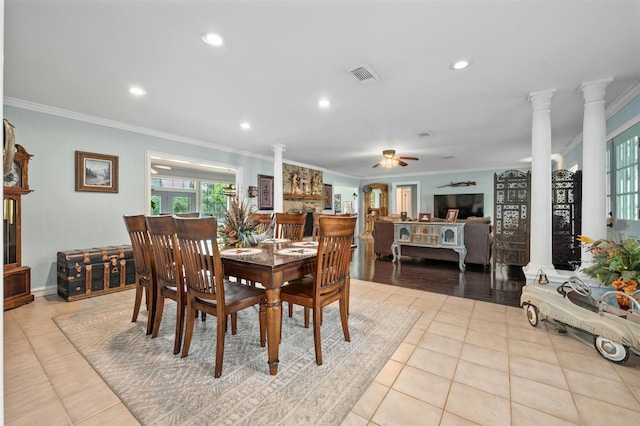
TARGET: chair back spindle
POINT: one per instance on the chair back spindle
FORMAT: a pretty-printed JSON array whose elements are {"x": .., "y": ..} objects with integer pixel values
[{"x": 290, "y": 226}]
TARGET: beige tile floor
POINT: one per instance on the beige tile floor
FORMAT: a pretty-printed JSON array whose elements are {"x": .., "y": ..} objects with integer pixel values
[{"x": 463, "y": 363}]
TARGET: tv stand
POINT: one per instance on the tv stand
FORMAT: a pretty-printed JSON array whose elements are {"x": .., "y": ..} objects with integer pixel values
[{"x": 440, "y": 235}]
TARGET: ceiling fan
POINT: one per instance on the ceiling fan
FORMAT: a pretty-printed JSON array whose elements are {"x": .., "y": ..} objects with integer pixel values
[{"x": 389, "y": 159}]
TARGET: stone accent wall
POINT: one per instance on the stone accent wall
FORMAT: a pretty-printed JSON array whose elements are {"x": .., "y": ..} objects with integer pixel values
[{"x": 302, "y": 182}]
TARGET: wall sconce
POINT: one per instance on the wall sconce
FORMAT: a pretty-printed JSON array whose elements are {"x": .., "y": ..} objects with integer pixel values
[
  {"x": 253, "y": 191},
  {"x": 229, "y": 191},
  {"x": 355, "y": 195}
]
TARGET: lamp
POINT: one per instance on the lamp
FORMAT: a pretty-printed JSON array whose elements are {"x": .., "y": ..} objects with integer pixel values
[{"x": 355, "y": 195}]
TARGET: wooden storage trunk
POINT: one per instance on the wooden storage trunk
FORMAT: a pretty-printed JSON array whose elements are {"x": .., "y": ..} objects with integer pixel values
[{"x": 91, "y": 272}]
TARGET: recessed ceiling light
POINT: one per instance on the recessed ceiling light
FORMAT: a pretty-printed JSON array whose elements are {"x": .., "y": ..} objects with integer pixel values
[
  {"x": 245, "y": 125},
  {"x": 460, "y": 64},
  {"x": 324, "y": 103},
  {"x": 213, "y": 39},
  {"x": 136, "y": 90}
]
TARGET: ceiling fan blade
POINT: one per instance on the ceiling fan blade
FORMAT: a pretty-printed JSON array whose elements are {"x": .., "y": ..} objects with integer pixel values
[
  {"x": 408, "y": 158},
  {"x": 376, "y": 165},
  {"x": 401, "y": 163}
]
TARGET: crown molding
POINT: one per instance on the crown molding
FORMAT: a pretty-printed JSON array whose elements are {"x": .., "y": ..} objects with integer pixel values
[
  {"x": 616, "y": 106},
  {"x": 32, "y": 106},
  {"x": 625, "y": 98}
]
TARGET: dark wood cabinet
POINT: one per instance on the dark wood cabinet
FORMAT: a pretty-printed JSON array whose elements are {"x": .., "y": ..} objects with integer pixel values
[{"x": 17, "y": 277}]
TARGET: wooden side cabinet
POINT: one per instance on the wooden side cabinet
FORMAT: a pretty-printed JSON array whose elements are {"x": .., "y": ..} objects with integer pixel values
[
  {"x": 440, "y": 235},
  {"x": 17, "y": 287},
  {"x": 17, "y": 277}
]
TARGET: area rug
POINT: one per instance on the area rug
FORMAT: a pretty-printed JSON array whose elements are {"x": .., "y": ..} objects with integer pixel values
[{"x": 160, "y": 388}]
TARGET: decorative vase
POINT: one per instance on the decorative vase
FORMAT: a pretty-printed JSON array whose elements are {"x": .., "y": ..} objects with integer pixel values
[{"x": 243, "y": 240}]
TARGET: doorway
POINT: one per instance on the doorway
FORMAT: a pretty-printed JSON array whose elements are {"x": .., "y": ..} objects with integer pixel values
[
  {"x": 406, "y": 199},
  {"x": 180, "y": 184}
]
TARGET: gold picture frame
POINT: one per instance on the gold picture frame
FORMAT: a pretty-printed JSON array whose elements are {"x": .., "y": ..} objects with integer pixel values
[
  {"x": 96, "y": 172},
  {"x": 452, "y": 215}
]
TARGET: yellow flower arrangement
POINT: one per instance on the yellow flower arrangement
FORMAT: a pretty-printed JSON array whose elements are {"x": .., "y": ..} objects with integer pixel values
[
  {"x": 616, "y": 264},
  {"x": 613, "y": 261}
]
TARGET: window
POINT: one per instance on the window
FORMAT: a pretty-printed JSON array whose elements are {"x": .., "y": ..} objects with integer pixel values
[
  {"x": 175, "y": 195},
  {"x": 622, "y": 174},
  {"x": 173, "y": 183},
  {"x": 156, "y": 204},
  {"x": 181, "y": 204},
  {"x": 214, "y": 202}
]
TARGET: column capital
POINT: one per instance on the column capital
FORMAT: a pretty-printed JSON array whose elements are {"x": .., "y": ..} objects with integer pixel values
[
  {"x": 594, "y": 91},
  {"x": 278, "y": 148},
  {"x": 541, "y": 101}
]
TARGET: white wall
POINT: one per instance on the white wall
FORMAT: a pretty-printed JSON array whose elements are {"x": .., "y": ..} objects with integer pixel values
[{"x": 56, "y": 218}]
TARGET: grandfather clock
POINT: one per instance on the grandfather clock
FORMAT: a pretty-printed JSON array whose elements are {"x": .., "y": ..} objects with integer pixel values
[{"x": 17, "y": 278}]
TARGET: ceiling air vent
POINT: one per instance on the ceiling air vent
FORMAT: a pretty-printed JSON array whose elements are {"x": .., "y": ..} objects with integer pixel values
[{"x": 364, "y": 74}]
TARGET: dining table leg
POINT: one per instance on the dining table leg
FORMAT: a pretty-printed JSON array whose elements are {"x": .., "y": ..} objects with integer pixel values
[{"x": 274, "y": 323}]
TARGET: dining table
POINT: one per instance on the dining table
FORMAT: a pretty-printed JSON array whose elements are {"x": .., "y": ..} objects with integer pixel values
[{"x": 271, "y": 263}]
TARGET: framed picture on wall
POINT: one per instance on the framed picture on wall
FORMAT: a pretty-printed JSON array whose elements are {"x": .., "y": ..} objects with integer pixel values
[
  {"x": 328, "y": 196},
  {"x": 265, "y": 192},
  {"x": 96, "y": 172},
  {"x": 337, "y": 203}
]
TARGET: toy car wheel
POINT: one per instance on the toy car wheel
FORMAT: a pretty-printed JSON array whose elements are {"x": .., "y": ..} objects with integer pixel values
[
  {"x": 532, "y": 315},
  {"x": 579, "y": 286},
  {"x": 613, "y": 351}
]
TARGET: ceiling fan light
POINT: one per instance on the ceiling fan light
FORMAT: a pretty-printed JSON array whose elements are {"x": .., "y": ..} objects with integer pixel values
[{"x": 388, "y": 163}]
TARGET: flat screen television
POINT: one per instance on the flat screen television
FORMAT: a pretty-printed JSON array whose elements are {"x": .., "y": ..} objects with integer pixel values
[{"x": 467, "y": 205}]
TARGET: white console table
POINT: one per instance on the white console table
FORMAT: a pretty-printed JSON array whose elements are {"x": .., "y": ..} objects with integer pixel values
[{"x": 439, "y": 235}]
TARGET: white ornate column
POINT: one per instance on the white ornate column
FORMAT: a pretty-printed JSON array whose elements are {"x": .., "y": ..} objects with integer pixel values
[
  {"x": 540, "y": 208},
  {"x": 278, "y": 200},
  {"x": 594, "y": 149}
]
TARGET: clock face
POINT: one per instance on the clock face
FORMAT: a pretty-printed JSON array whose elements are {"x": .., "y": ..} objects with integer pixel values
[{"x": 13, "y": 177}]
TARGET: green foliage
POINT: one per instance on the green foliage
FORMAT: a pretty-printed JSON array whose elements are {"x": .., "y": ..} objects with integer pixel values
[
  {"x": 614, "y": 260},
  {"x": 238, "y": 222}
]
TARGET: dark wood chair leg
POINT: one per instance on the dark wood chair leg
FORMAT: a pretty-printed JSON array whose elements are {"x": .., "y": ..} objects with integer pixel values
[
  {"x": 158, "y": 317},
  {"x": 191, "y": 319},
  {"x": 138, "y": 302},
  {"x": 222, "y": 325}
]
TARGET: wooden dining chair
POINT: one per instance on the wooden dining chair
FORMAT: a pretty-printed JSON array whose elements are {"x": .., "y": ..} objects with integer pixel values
[
  {"x": 206, "y": 289},
  {"x": 263, "y": 222},
  {"x": 143, "y": 261},
  {"x": 316, "y": 226},
  {"x": 290, "y": 225},
  {"x": 330, "y": 281},
  {"x": 169, "y": 280}
]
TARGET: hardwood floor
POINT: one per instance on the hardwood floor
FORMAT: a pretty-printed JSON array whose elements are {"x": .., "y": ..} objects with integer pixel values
[{"x": 502, "y": 286}]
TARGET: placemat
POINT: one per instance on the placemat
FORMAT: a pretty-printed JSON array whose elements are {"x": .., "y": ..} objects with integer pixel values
[
  {"x": 297, "y": 252},
  {"x": 274, "y": 241},
  {"x": 309, "y": 244},
  {"x": 249, "y": 251}
]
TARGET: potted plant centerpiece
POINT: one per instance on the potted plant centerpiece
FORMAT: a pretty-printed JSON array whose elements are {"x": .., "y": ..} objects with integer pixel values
[
  {"x": 239, "y": 225},
  {"x": 615, "y": 264}
]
